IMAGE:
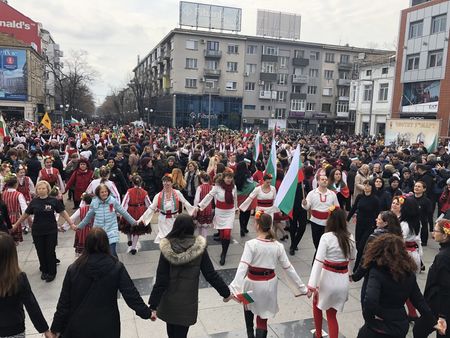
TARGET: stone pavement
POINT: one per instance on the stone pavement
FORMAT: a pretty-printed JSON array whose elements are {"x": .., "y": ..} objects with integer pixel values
[{"x": 215, "y": 318}]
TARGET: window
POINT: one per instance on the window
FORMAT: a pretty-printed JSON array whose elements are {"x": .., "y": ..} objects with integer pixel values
[
  {"x": 212, "y": 45},
  {"x": 281, "y": 96},
  {"x": 191, "y": 83},
  {"x": 342, "y": 91},
  {"x": 438, "y": 23},
  {"x": 367, "y": 93},
  {"x": 280, "y": 113},
  {"x": 344, "y": 75},
  {"x": 191, "y": 63},
  {"x": 314, "y": 56},
  {"x": 282, "y": 79},
  {"x": 249, "y": 106},
  {"x": 383, "y": 93},
  {"x": 268, "y": 67},
  {"x": 435, "y": 59},
  {"x": 384, "y": 70},
  {"x": 326, "y": 107},
  {"x": 262, "y": 108},
  {"x": 354, "y": 94},
  {"x": 231, "y": 85},
  {"x": 249, "y": 86},
  {"x": 415, "y": 29},
  {"x": 329, "y": 57},
  {"x": 270, "y": 50},
  {"x": 232, "y": 66},
  {"x": 267, "y": 87},
  {"x": 327, "y": 92},
  {"x": 250, "y": 68},
  {"x": 342, "y": 107},
  {"x": 310, "y": 106},
  {"x": 328, "y": 74},
  {"x": 299, "y": 53},
  {"x": 313, "y": 72},
  {"x": 233, "y": 49},
  {"x": 283, "y": 60},
  {"x": 369, "y": 72},
  {"x": 312, "y": 89},
  {"x": 345, "y": 58},
  {"x": 211, "y": 64},
  {"x": 296, "y": 89},
  {"x": 298, "y": 105},
  {"x": 412, "y": 62},
  {"x": 252, "y": 49},
  {"x": 192, "y": 44}
]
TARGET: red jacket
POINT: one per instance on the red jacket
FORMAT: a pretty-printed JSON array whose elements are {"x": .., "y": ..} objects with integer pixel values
[{"x": 81, "y": 181}]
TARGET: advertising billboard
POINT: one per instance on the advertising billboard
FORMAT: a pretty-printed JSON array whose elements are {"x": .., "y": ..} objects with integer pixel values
[
  {"x": 198, "y": 15},
  {"x": 404, "y": 132},
  {"x": 278, "y": 24},
  {"x": 19, "y": 26},
  {"x": 13, "y": 77},
  {"x": 421, "y": 97}
]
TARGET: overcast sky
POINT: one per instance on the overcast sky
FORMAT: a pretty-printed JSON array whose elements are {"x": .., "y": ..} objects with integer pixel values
[{"x": 114, "y": 32}]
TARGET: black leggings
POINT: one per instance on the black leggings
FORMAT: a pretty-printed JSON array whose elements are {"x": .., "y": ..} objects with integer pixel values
[
  {"x": 45, "y": 248},
  {"x": 244, "y": 217},
  {"x": 297, "y": 228},
  {"x": 177, "y": 331},
  {"x": 366, "y": 332}
]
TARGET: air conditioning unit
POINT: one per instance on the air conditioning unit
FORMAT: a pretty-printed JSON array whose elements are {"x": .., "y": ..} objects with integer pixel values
[
  {"x": 202, "y": 41},
  {"x": 261, "y": 83},
  {"x": 202, "y": 79},
  {"x": 246, "y": 74},
  {"x": 244, "y": 120}
]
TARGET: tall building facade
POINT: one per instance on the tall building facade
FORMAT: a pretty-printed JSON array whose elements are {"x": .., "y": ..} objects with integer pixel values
[
  {"x": 422, "y": 80},
  {"x": 215, "y": 79}
]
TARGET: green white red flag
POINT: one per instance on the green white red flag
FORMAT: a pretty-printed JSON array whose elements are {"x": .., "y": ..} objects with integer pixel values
[
  {"x": 286, "y": 193},
  {"x": 3, "y": 127},
  {"x": 257, "y": 148},
  {"x": 271, "y": 167},
  {"x": 168, "y": 137}
]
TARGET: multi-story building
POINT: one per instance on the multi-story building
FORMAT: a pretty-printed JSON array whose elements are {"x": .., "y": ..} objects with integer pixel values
[
  {"x": 371, "y": 95},
  {"x": 235, "y": 80},
  {"x": 422, "y": 80}
]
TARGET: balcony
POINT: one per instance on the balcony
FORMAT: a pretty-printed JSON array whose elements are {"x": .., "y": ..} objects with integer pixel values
[
  {"x": 213, "y": 54},
  {"x": 343, "y": 98},
  {"x": 297, "y": 114},
  {"x": 160, "y": 59},
  {"x": 300, "y": 62},
  {"x": 298, "y": 96},
  {"x": 345, "y": 66},
  {"x": 267, "y": 94},
  {"x": 269, "y": 77},
  {"x": 212, "y": 91},
  {"x": 211, "y": 73},
  {"x": 344, "y": 82},
  {"x": 166, "y": 54},
  {"x": 302, "y": 79},
  {"x": 342, "y": 115},
  {"x": 269, "y": 58}
]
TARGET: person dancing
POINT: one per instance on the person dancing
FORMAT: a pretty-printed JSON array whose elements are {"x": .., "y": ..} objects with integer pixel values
[
  {"x": 205, "y": 217},
  {"x": 16, "y": 205}
]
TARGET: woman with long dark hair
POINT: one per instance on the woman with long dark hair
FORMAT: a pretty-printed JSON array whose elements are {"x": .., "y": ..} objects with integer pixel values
[
  {"x": 383, "y": 196},
  {"x": 337, "y": 184},
  {"x": 329, "y": 280},
  {"x": 174, "y": 297},
  {"x": 87, "y": 305},
  {"x": 244, "y": 186},
  {"x": 391, "y": 282}
]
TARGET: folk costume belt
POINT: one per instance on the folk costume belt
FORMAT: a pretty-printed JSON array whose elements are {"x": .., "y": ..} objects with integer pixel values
[
  {"x": 337, "y": 267},
  {"x": 265, "y": 203},
  {"x": 224, "y": 205},
  {"x": 260, "y": 274},
  {"x": 320, "y": 214},
  {"x": 411, "y": 246},
  {"x": 168, "y": 214}
]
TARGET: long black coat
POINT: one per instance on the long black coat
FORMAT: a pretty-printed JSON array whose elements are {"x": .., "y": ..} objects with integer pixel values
[{"x": 98, "y": 315}]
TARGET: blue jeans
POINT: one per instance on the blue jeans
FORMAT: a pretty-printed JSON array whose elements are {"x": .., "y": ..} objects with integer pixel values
[{"x": 112, "y": 248}]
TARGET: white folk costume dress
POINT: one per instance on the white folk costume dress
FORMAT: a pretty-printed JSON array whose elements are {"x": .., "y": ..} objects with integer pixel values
[
  {"x": 112, "y": 187},
  {"x": 264, "y": 201},
  {"x": 329, "y": 273},
  {"x": 319, "y": 204},
  {"x": 169, "y": 207},
  {"x": 256, "y": 273},
  {"x": 413, "y": 244},
  {"x": 224, "y": 214}
]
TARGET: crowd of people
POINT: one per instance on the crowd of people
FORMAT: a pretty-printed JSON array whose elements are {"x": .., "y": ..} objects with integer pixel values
[{"x": 117, "y": 178}]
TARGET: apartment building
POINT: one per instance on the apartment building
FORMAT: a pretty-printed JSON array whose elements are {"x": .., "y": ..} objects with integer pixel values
[
  {"x": 371, "y": 95},
  {"x": 422, "y": 80},
  {"x": 216, "y": 78}
]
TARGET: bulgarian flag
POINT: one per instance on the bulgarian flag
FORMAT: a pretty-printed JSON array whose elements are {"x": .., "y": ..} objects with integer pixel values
[
  {"x": 245, "y": 297},
  {"x": 168, "y": 137},
  {"x": 74, "y": 122},
  {"x": 3, "y": 128},
  {"x": 257, "y": 147},
  {"x": 272, "y": 163},
  {"x": 286, "y": 192}
]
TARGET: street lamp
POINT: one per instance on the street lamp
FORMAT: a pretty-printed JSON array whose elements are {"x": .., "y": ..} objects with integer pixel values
[
  {"x": 148, "y": 116},
  {"x": 146, "y": 112}
]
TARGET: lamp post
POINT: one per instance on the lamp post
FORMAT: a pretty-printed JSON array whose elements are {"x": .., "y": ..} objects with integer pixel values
[
  {"x": 146, "y": 112},
  {"x": 148, "y": 116}
]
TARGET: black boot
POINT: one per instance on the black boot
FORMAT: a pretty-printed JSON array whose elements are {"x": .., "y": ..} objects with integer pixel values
[
  {"x": 223, "y": 255},
  {"x": 260, "y": 333},
  {"x": 248, "y": 315}
]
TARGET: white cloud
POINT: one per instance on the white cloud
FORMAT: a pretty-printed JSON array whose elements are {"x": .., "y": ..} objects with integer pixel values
[{"x": 114, "y": 32}]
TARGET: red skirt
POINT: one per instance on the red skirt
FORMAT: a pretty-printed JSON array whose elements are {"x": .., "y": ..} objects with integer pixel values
[
  {"x": 80, "y": 238},
  {"x": 279, "y": 216},
  {"x": 136, "y": 213}
]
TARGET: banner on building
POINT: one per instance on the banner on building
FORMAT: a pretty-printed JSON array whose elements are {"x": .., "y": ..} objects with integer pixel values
[
  {"x": 280, "y": 124},
  {"x": 405, "y": 132},
  {"x": 13, "y": 79}
]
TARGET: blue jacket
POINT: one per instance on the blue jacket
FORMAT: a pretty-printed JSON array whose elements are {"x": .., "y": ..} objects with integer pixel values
[{"x": 105, "y": 217}]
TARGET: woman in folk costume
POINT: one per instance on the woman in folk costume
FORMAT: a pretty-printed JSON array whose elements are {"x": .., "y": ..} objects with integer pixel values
[
  {"x": 51, "y": 175},
  {"x": 329, "y": 280},
  {"x": 256, "y": 273},
  {"x": 278, "y": 216},
  {"x": 225, "y": 197},
  {"x": 25, "y": 184},
  {"x": 204, "y": 218},
  {"x": 244, "y": 187},
  {"x": 265, "y": 195},
  {"x": 337, "y": 184},
  {"x": 5, "y": 169},
  {"x": 80, "y": 180},
  {"x": 16, "y": 205},
  {"x": 135, "y": 201},
  {"x": 104, "y": 173},
  {"x": 169, "y": 202}
]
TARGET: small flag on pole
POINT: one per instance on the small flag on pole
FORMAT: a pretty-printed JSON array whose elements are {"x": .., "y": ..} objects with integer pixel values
[
  {"x": 3, "y": 128},
  {"x": 46, "y": 121},
  {"x": 168, "y": 137},
  {"x": 272, "y": 163},
  {"x": 257, "y": 148},
  {"x": 74, "y": 122},
  {"x": 245, "y": 297}
]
